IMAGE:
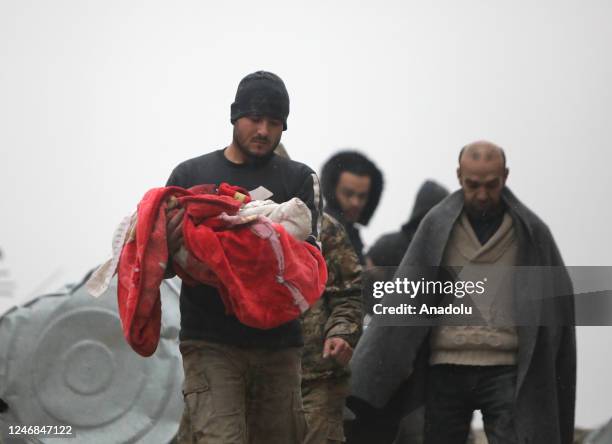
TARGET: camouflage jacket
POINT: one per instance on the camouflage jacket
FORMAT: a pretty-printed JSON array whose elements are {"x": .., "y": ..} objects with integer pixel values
[{"x": 339, "y": 311}]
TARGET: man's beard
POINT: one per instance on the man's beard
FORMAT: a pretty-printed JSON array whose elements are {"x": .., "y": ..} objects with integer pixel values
[
  {"x": 484, "y": 214},
  {"x": 254, "y": 158}
]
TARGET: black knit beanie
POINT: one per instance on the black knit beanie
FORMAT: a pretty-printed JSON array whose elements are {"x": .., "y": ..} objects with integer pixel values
[{"x": 261, "y": 93}]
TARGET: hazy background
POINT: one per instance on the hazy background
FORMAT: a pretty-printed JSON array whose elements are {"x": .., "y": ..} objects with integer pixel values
[{"x": 100, "y": 100}]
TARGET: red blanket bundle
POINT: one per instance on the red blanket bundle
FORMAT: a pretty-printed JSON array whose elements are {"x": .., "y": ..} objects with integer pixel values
[{"x": 265, "y": 277}]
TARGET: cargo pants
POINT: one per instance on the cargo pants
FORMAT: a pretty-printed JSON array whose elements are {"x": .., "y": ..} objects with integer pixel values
[{"x": 241, "y": 396}]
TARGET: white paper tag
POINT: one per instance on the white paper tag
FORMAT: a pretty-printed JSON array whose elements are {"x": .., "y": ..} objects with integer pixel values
[{"x": 261, "y": 193}]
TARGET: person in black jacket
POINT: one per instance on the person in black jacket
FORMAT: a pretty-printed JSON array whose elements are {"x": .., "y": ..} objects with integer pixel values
[
  {"x": 242, "y": 385},
  {"x": 352, "y": 186},
  {"x": 390, "y": 248}
]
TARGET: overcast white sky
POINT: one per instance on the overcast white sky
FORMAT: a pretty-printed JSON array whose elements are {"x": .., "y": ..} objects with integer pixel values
[{"x": 100, "y": 100}]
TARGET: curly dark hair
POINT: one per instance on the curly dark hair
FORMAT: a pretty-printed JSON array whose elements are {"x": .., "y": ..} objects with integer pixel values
[{"x": 356, "y": 163}]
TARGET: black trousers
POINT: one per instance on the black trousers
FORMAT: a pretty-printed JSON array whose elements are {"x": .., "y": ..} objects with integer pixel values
[{"x": 455, "y": 391}]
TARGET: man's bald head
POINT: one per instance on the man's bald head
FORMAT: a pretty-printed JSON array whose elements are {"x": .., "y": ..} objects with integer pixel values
[
  {"x": 483, "y": 150},
  {"x": 482, "y": 173}
]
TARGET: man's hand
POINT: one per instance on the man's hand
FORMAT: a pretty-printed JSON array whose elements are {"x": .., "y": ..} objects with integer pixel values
[
  {"x": 338, "y": 349},
  {"x": 174, "y": 232}
]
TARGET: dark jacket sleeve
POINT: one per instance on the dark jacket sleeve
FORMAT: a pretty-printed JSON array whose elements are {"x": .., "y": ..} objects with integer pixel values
[
  {"x": 176, "y": 178},
  {"x": 310, "y": 193},
  {"x": 566, "y": 354}
]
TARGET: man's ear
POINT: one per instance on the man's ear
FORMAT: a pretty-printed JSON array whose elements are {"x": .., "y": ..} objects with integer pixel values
[
  {"x": 459, "y": 175},
  {"x": 506, "y": 172}
]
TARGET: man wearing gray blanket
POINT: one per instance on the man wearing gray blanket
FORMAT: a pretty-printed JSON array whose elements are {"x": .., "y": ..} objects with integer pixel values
[{"x": 520, "y": 374}]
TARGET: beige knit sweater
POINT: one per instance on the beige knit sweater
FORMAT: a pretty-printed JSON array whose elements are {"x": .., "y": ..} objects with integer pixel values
[{"x": 480, "y": 345}]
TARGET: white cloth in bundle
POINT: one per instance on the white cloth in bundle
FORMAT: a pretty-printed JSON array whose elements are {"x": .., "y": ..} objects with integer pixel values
[{"x": 293, "y": 215}]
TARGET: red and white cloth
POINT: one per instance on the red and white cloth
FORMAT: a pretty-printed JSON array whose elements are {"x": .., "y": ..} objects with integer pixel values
[{"x": 265, "y": 276}]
